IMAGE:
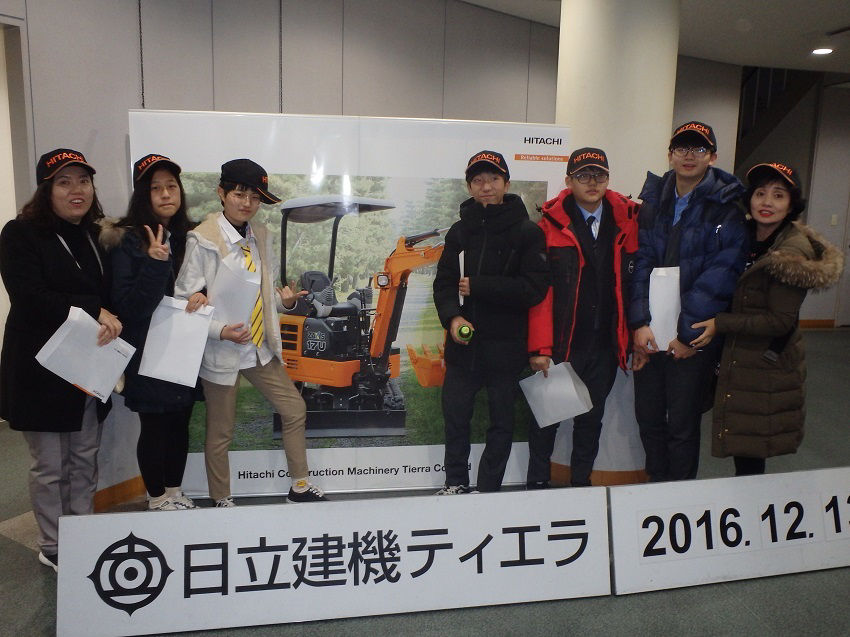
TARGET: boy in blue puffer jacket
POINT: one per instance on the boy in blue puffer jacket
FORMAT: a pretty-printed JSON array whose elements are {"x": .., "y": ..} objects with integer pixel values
[{"x": 690, "y": 218}]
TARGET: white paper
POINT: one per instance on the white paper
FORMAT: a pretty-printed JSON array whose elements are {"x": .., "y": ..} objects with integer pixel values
[
  {"x": 233, "y": 294},
  {"x": 175, "y": 343},
  {"x": 72, "y": 353},
  {"x": 665, "y": 303},
  {"x": 560, "y": 396},
  {"x": 460, "y": 264}
]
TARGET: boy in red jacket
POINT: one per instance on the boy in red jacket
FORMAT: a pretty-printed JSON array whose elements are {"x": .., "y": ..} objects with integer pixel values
[{"x": 591, "y": 237}]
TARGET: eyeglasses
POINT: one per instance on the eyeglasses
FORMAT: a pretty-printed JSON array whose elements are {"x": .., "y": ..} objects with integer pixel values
[
  {"x": 682, "y": 151},
  {"x": 584, "y": 178},
  {"x": 246, "y": 195},
  {"x": 480, "y": 180}
]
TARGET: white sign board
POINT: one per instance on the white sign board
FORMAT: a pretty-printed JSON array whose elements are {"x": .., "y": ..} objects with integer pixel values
[
  {"x": 346, "y": 469},
  {"x": 147, "y": 573},
  {"x": 673, "y": 534}
]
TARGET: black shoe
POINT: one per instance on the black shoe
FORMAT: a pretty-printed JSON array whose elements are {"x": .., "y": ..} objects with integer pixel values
[
  {"x": 312, "y": 494},
  {"x": 533, "y": 486},
  {"x": 49, "y": 560}
]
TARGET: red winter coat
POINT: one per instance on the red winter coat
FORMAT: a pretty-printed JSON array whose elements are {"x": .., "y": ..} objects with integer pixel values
[{"x": 551, "y": 322}]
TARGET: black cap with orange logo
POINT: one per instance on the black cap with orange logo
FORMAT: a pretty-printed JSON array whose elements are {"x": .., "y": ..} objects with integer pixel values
[
  {"x": 487, "y": 161},
  {"x": 784, "y": 171},
  {"x": 250, "y": 174},
  {"x": 149, "y": 161},
  {"x": 694, "y": 133},
  {"x": 54, "y": 161},
  {"x": 586, "y": 158}
]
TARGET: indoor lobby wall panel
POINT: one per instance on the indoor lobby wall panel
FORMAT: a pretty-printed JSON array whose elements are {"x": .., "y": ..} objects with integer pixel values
[
  {"x": 246, "y": 55},
  {"x": 486, "y": 76},
  {"x": 312, "y": 56},
  {"x": 84, "y": 74},
  {"x": 393, "y": 58},
  {"x": 542, "y": 73},
  {"x": 177, "y": 50}
]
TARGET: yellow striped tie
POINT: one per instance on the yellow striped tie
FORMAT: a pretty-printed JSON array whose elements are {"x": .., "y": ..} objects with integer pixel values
[{"x": 257, "y": 313}]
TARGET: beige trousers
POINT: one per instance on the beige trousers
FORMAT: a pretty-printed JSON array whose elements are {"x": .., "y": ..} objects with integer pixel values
[{"x": 273, "y": 382}]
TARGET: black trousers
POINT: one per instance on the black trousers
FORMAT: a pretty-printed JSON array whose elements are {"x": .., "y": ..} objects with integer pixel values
[
  {"x": 597, "y": 368},
  {"x": 669, "y": 397},
  {"x": 162, "y": 449},
  {"x": 749, "y": 466},
  {"x": 459, "y": 389}
]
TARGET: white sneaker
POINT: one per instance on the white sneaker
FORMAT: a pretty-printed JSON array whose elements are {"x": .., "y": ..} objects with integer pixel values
[
  {"x": 49, "y": 560},
  {"x": 455, "y": 489},
  {"x": 161, "y": 503},
  {"x": 225, "y": 503},
  {"x": 182, "y": 501}
]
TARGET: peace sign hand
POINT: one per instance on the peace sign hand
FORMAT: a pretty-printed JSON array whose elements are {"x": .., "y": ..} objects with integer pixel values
[{"x": 157, "y": 249}]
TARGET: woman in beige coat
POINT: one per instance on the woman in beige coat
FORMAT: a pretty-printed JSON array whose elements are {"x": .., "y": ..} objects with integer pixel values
[{"x": 759, "y": 403}]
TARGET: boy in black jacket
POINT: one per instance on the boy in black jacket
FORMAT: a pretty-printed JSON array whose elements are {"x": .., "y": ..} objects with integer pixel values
[{"x": 504, "y": 274}]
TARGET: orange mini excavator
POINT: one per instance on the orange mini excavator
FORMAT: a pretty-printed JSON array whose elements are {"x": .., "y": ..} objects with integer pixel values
[{"x": 342, "y": 354}]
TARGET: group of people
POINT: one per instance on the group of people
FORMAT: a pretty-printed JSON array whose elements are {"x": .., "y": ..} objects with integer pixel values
[
  {"x": 510, "y": 293},
  {"x": 576, "y": 287},
  {"x": 60, "y": 252}
]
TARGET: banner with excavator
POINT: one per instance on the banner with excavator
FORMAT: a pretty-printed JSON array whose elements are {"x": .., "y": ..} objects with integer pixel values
[{"x": 365, "y": 204}]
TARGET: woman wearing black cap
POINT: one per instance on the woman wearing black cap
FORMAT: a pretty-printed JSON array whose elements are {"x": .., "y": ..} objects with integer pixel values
[
  {"x": 50, "y": 261},
  {"x": 758, "y": 406},
  {"x": 147, "y": 246}
]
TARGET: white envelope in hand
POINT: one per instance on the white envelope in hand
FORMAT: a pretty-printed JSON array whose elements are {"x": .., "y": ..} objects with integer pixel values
[
  {"x": 665, "y": 303},
  {"x": 72, "y": 353},
  {"x": 559, "y": 397},
  {"x": 175, "y": 343}
]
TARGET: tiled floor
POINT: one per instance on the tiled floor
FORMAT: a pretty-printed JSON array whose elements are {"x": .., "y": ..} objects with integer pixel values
[{"x": 808, "y": 604}]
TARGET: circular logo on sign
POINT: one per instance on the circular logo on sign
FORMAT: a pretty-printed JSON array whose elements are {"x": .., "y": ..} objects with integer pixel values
[{"x": 130, "y": 574}]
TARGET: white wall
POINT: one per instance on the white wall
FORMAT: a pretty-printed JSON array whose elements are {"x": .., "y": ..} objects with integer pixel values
[
  {"x": 830, "y": 197},
  {"x": 709, "y": 92}
]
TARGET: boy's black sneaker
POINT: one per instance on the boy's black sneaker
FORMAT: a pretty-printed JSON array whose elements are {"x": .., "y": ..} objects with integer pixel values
[{"x": 312, "y": 494}]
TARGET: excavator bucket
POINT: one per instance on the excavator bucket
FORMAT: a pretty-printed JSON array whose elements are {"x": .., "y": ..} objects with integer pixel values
[{"x": 429, "y": 367}]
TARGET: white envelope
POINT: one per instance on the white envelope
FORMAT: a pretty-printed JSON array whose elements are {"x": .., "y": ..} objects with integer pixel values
[
  {"x": 72, "y": 353},
  {"x": 665, "y": 303},
  {"x": 559, "y": 397},
  {"x": 233, "y": 294},
  {"x": 175, "y": 343}
]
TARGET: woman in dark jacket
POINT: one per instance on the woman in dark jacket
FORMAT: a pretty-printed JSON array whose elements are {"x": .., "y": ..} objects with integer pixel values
[
  {"x": 50, "y": 261},
  {"x": 147, "y": 251},
  {"x": 759, "y": 403}
]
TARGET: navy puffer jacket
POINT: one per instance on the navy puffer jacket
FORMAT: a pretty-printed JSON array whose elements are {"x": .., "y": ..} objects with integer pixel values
[{"x": 712, "y": 250}]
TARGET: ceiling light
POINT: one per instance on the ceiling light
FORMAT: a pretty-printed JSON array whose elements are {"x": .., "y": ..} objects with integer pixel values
[{"x": 821, "y": 51}]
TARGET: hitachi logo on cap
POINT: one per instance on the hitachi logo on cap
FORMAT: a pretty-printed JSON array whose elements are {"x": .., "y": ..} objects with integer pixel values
[
  {"x": 586, "y": 156},
  {"x": 62, "y": 156},
  {"x": 785, "y": 170},
  {"x": 694, "y": 126},
  {"x": 264, "y": 179},
  {"x": 486, "y": 157},
  {"x": 150, "y": 160}
]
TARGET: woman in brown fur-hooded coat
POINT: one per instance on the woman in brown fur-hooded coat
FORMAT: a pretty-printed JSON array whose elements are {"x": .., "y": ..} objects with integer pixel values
[{"x": 759, "y": 403}]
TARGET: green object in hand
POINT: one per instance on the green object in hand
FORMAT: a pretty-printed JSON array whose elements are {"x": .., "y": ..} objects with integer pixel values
[{"x": 464, "y": 332}]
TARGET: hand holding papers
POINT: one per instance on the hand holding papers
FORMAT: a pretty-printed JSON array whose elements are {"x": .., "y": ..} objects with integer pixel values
[
  {"x": 665, "y": 303},
  {"x": 559, "y": 397},
  {"x": 72, "y": 353},
  {"x": 175, "y": 343}
]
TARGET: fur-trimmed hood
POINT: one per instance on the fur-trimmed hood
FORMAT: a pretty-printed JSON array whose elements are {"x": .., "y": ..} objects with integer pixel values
[
  {"x": 803, "y": 258},
  {"x": 111, "y": 234}
]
